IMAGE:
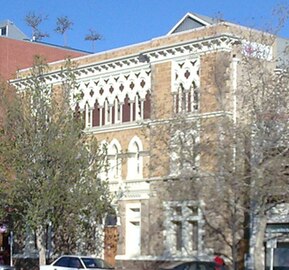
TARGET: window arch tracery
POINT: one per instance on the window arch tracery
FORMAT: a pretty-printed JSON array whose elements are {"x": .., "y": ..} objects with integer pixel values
[
  {"x": 116, "y": 99},
  {"x": 186, "y": 83}
]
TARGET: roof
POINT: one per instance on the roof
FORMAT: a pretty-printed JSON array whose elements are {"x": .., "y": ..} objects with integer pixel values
[
  {"x": 10, "y": 30},
  {"x": 192, "y": 21}
]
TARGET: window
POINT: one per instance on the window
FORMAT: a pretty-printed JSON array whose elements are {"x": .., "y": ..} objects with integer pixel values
[
  {"x": 88, "y": 116},
  {"x": 135, "y": 160},
  {"x": 178, "y": 235},
  {"x": 187, "y": 100},
  {"x": 108, "y": 114},
  {"x": 3, "y": 31},
  {"x": 62, "y": 262},
  {"x": 126, "y": 109},
  {"x": 138, "y": 108},
  {"x": 184, "y": 147},
  {"x": 117, "y": 111},
  {"x": 133, "y": 217},
  {"x": 185, "y": 88},
  {"x": 96, "y": 115},
  {"x": 183, "y": 227},
  {"x": 147, "y": 105},
  {"x": 196, "y": 99},
  {"x": 114, "y": 160},
  {"x": 103, "y": 174},
  {"x": 193, "y": 226},
  {"x": 69, "y": 262}
]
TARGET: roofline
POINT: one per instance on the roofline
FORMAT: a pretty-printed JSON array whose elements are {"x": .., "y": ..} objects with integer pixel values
[
  {"x": 59, "y": 46},
  {"x": 191, "y": 15},
  {"x": 48, "y": 45},
  {"x": 153, "y": 39}
]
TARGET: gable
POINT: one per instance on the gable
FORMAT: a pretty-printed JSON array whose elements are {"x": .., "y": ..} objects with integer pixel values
[{"x": 191, "y": 21}]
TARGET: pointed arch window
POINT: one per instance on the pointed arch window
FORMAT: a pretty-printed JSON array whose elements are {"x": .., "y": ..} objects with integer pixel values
[
  {"x": 139, "y": 106},
  {"x": 114, "y": 161},
  {"x": 187, "y": 100},
  {"x": 195, "y": 93},
  {"x": 96, "y": 115},
  {"x": 117, "y": 111},
  {"x": 135, "y": 159},
  {"x": 108, "y": 112},
  {"x": 88, "y": 116},
  {"x": 147, "y": 105}
]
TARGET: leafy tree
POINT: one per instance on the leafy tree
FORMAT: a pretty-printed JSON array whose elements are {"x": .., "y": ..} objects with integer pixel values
[
  {"x": 63, "y": 24},
  {"x": 33, "y": 21},
  {"x": 55, "y": 167}
]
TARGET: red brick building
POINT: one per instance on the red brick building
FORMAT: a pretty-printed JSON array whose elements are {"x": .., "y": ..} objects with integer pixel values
[{"x": 17, "y": 51}]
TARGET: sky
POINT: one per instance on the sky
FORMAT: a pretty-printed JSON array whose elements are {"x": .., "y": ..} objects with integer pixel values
[{"x": 126, "y": 22}]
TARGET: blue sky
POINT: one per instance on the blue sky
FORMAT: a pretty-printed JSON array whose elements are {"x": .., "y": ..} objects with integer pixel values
[{"x": 125, "y": 22}]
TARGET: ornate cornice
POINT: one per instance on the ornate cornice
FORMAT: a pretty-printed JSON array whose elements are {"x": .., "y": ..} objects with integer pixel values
[{"x": 141, "y": 60}]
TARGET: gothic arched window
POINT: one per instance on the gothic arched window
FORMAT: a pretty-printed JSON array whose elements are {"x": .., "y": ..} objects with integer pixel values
[
  {"x": 135, "y": 159},
  {"x": 114, "y": 160}
]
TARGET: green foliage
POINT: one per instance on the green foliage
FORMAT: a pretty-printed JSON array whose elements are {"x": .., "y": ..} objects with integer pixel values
[{"x": 56, "y": 165}]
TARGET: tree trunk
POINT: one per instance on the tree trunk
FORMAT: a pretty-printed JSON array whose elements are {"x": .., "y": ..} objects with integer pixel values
[
  {"x": 41, "y": 245},
  {"x": 259, "y": 259}
]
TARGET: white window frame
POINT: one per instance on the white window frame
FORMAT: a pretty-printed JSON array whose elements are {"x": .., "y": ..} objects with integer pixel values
[
  {"x": 114, "y": 160},
  {"x": 133, "y": 230},
  {"x": 186, "y": 217},
  {"x": 88, "y": 116},
  {"x": 135, "y": 159}
]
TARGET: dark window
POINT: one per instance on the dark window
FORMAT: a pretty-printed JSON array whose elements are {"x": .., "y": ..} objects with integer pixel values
[
  {"x": 126, "y": 110},
  {"x": 4, "y": 31},
  {"x": 63, "y": 262},
  {"x": 113, "y": 114},
  {"x": 179, "y": 236},
  {"x": 147, "y": 106},
  {"x": 95, "y": 115},
  {"x": 189, "y": 102},
  {"x": 95, "y": 263},
  {"x": 75, "y": 263},
  {"x": 103, "y": 116}
]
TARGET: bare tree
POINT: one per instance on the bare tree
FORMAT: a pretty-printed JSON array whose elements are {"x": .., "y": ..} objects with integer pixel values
[
  {"x": 63, "y": 24},
  {"x": 231, "y": 153},
  {"x": 33, "y": 21},
  {"x": 93, "y": 36}
]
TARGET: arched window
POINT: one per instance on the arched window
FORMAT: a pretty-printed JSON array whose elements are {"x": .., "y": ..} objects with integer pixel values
[
  {"x": 103, "y": 174},
  {"x": 117, "y": 111},
  {"x": 195, "y": 97},
  {"x": 107, "y": 111},
  {"x": 114, "y": 171},
  {"x": 135, "y": 159},
  {"x": 88, "y": 116},
  {"x": 138, "y": 108}
]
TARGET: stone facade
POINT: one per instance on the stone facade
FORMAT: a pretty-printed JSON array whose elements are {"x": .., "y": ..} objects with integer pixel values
[{"x": 130, "y": 97}]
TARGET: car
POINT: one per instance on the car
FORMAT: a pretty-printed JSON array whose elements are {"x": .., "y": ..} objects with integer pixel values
[
  {"x": 74, "y": 262},
  {"x": 192, "y": 265},
  {"x": 6, "y": 267}
]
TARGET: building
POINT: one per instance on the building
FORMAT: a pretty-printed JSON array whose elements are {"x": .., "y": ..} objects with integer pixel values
[
  {"x": 134, "y": 98},
  {"x": 17, "y": 50}
]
